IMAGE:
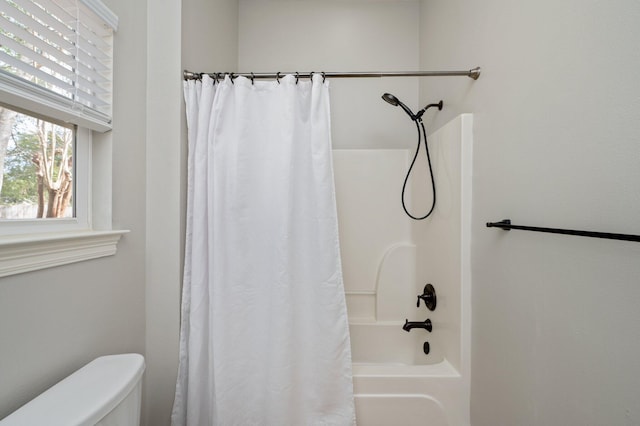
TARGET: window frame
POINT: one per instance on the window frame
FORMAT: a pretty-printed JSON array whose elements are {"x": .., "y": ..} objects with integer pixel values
[
  {"x": 31, "y": 244},
  {"x": 82, "y": 147},
  {"x": 28, "y": 245}
]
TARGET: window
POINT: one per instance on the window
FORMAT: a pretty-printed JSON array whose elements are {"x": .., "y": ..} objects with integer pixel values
[
  {"x": 56, "y": 59},
  {"x": 37, "y": 159},
  {"x": 55, "y": 91}
]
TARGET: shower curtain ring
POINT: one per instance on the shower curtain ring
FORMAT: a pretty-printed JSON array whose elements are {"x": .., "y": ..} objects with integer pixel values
[
  {"x": 311, "y": 75},
  {"x": 231, "y": 77},
  {"x": 278, "y": 77},
  {"x": 297, "y": 77},
  {"x": 324, "y": 77},
  {"x": 252, "y": 77}
]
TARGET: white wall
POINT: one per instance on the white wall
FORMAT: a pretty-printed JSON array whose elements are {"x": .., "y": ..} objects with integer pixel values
[
  {"x": 54, "y": 321},
  {"x": 555, "y": 318},
  {"x": 163, "y": 202},
  {"x": 200, "y": 36},
  {"x": 210, "y": 35},
  {"x": 341, "y": 36}
]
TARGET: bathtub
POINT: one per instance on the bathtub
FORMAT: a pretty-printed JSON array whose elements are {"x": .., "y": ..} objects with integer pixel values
[
  {"x": 387, "y": 260},
  {"x": 395, "y": 383}
]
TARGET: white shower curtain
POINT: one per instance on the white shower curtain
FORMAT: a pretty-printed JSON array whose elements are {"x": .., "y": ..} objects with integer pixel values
[{"x": 264, "y": 336}]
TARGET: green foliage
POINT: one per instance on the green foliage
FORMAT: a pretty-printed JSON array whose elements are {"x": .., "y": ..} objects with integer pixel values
[
  {"x": 28, "y": 156},
  {"x": 20, "y": 182}
]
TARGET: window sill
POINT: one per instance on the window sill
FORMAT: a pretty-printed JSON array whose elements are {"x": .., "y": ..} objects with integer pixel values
[{"x": 25, "y": 253}]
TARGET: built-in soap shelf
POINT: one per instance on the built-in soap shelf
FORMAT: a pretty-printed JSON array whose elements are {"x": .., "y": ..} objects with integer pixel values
[{"x": 395, "y": 286}]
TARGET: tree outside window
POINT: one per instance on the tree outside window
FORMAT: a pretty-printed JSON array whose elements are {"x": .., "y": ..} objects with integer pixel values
[{"x": 36, "y": 157}]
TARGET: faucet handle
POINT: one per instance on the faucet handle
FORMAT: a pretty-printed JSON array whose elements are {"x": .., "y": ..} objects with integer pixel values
[{"x": 429, "y": 297}]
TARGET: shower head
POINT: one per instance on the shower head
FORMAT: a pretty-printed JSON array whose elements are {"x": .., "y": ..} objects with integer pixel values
[{"x": 389, "y": 98}]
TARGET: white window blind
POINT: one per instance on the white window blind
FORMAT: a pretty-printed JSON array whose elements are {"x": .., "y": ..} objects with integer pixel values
[{"x": 56, "y": 59}]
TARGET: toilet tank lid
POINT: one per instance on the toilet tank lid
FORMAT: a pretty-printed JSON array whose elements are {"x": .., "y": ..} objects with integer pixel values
[{"x": 84, "y": 397}]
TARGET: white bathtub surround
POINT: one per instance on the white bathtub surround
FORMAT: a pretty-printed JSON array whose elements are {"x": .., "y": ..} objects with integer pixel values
[
  {"x": 388, "y": 258},
  {"x": 443, "y": 240},
  {"x": 264, "y": 337},
  {"x": 375, "y": 238},
  {"x": 384, "y": 342}
]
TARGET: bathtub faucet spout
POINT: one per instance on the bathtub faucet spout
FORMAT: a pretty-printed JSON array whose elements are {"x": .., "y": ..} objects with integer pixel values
[{"x": 426, "y": 325}]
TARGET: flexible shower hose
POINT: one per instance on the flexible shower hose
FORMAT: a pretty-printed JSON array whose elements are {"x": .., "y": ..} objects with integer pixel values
[{"x": 415, "y": 156}]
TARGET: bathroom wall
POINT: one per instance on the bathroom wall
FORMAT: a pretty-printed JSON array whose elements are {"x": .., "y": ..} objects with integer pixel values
[
  {"x": 210, "y": 35},
  {"x": 54, "y": 321},
  {"x": 196, "y": 35},
  {"x": 555, "y": 318},
  {"x": 163, "y": 197},
  {"x": 343, "y": 36}
]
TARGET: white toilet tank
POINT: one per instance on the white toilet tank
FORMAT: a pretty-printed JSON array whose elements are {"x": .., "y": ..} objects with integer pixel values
[{"x": 105, "y": 392}]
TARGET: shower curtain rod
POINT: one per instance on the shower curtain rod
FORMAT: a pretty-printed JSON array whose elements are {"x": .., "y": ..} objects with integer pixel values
[{"x": 472, "y": 73}]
